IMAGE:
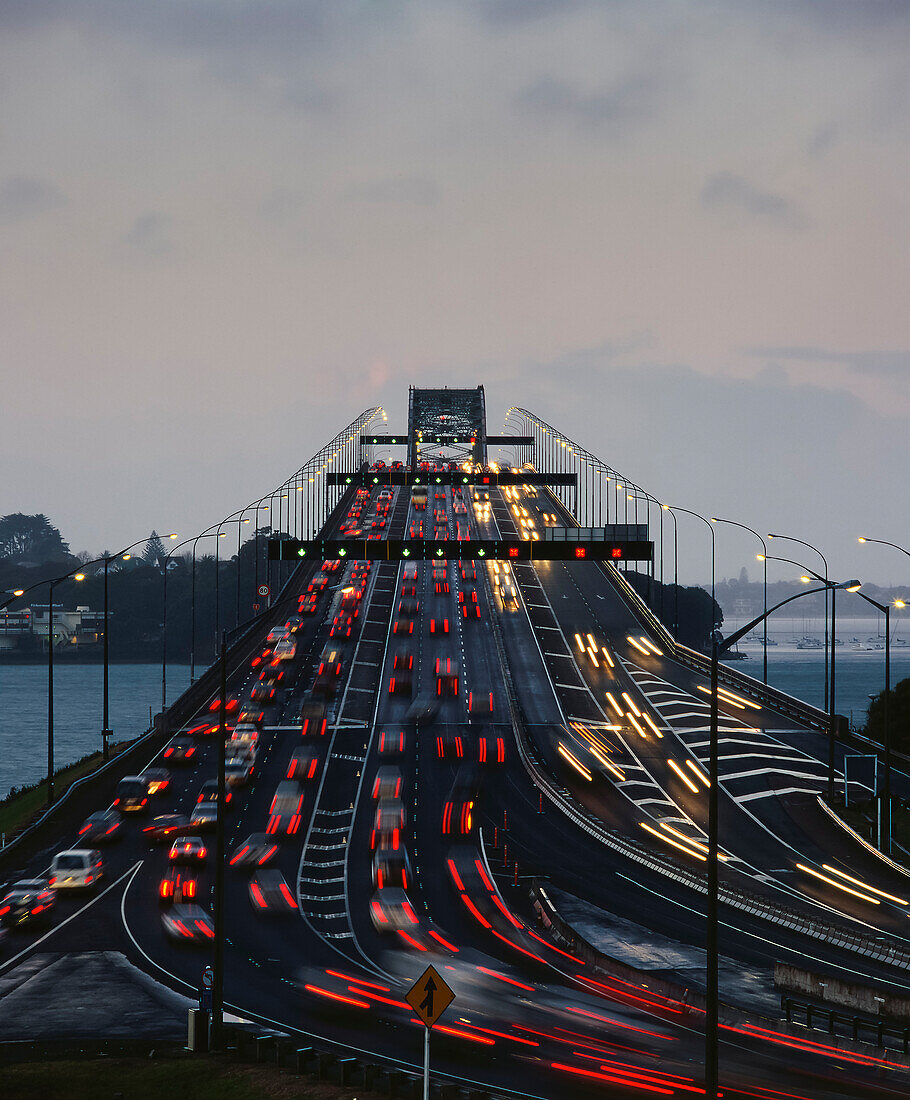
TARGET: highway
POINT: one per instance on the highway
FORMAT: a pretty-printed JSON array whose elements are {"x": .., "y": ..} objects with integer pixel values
[{"x": 429, "y": 714}]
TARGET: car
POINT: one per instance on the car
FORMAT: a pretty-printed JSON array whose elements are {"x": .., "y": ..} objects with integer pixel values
[
  {"x": 157, "y": 779},
  {"x": 204, "y": 815},
  {"x": 387, "y": 783},
  {"x": 231, "y": 705},
  {"x": 446, "y": 672},
  {"x": 285, "y": 650},
  {"x": 391, "y": 869},
  {"x": 491, "y": 750},
  {"x": 401, "y": 682},
  {"x": 263, "y": 693},
  {"x": 181, "y": 750},
  {"x": 166, "y": 826},
  {"x": 480, "y": 702},
  {"x": 470, "y": 610},
  {"x": 439, "y": 626},
  {"x": 132, "y": 795},
  {"x": 403, "y": 626},
  {"x": 303, "y": 764},
  {"x": 270, "y": 893},
  {"x": 275, "y": 635},
  {"x": 257, "y": 850},
  {"x": 250, "y": 717},
  {"x": 189, "y": 924},
  {"x": 391, "y": 909},
  {"x": 391, "y": 742},
  {"x": 331, "y": 662},
  {"x": 450, "y": 746},
  {"x": 75, "y": 869},
  {"x": 208, "y": 792},
  {"x": 177, "y": 885},
  {"x": 508, "y": 595},
  {"x": 342, "y": 627},
  {"x": 237, "y": 771},
  {"x": 408, "y": 589},
  {"x": 410, "y": 571},
  {"x": 388, "y": 825},
  {"x": 101, "y": 827},
  {"x": 307, "y": 604},
  {"x": 318, "y": 583},
  {"x": 271, "y": 674},
  {"x": 188, "y": 849},
  {"x": 408, "y": 608},
  {"x": 246, "y": 731},
  {"x": 442, "y": 588},
  {"x": 26, "y": 901},
  {"x": 287, "y": 809},
  {"x": 294, "y": 624},
  {"x": 313, "y": 719},
  {"x": 458, "y": 809},
  {"x": 331, "y": 566}
]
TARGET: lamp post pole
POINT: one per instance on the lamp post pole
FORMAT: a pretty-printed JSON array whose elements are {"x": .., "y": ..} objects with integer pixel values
[
  {"x": 667, "y": 508},
  {"x": 710, "y": 526},
  {"x": 164, "y": 572},
  {"x": 764, "y": 558},
  {"x": 802, "y": 542},
  {"x": 719, "y": 646}
]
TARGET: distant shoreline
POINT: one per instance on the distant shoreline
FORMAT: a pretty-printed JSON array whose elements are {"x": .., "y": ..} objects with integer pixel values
[{"x": 86, "y": 659}]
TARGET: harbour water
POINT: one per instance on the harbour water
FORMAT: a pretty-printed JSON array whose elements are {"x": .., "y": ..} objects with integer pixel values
[{"x": 136, "y": 689}]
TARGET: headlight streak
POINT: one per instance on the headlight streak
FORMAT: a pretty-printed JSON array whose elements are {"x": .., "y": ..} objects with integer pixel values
[
  {"x": 647, "y": 717},
  {"x": 682, "y": 775},
  {"x": 863, "y": 886},
  {"x": 651, "y": 646},
  {"x": 731, "y": 702},
  {"x": 592, "y": 654},
  {"x": 576, "y": 764},
  {"x": 579, "y": 641},
  {"x": 838, "y": 885},
  {"x": 641, "y": 649},
  {"x": 597, "y": 749},
  {"x": 669, "y": 840},
  {"x": 699, "y": 772},
  {"x": 697, "y": 844},
  {"x": 607, "y": 657},
  {"x": 614, "y": 704},
  {"x": 635, "y": 723},
  {"x": 625, "y": 695}
]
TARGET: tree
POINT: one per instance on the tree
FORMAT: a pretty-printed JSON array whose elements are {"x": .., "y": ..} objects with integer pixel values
[
  {"x": 744, "y": 576},
  {"x": 31, "y": 538},
  {"x": 154, "y": 551},
  {"x": 898, "y": 717},
  {"x": 698, "y": 615}
]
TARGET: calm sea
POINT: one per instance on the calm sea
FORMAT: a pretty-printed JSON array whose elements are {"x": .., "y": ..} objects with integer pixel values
[
  {"x": 134, "y": 689},
  {"x": 77, "y": 712}
]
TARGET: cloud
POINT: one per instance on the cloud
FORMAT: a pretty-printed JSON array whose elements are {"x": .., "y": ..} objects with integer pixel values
[
  {"x": 726, "y": 191},
  {"x": 632, "y": 100},
  {"x": 888, "y": 364},
  {"x": 23, "y": 197},
  {"x": 149, "y": 234},
  {"x": 408, "y": 190}
]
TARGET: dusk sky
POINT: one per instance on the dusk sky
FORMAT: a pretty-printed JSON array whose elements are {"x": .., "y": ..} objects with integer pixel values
[{"x": 677, "y": 230}]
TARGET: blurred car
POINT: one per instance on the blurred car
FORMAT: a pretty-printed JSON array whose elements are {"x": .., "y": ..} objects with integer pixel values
[
  {"x": 101, "y": 827},
  {"x": 204, "y": 816},
  {"x": 208, "y": 792},
  {"x": 188, "y": 849},
  {"x": 270, "y": 893},
  {"x": 263, "y": 693},
  {"x": 294, "y": 623},
  {"x": 480, "y": 702},
  {"x": 75, "y": 869},
  {"x": 403, "y": 626},
  {"x": 157, "y": 779},
  {"x": 458, "y": 809},
  {"x": 188, "y": 924},
  {"x": 313, "y": 719},
  {"x": 391, "y": 869},
  {"x": 181, "y": 750},
  {"x": 491, "y": 750},
  {"x": 408, "y": 608},
  {"x": 388, "y": 825},
  {"x": 387, "y": 783},
  {"x": 286, "y": 809},
  {"x": 276, "y": 634},
  {"x": 257, "y": 850},
  {"x": 237, "y": 771},
  {"x": 178, "y": 885},
  {"x": 132, "y": 795},
  {"x": 391, "y": 742},
  {"x": 303, "y": 764},
  {"x": 401, "y": 681},
  {"x": 166, "y": 826},
  {"x": 391, "y": 909},
  {"x": 439, "y": 626},
  {"x": 446, "y": 672},
  {"x": 30, "y": 899},
  {"x": 286, "y": 649}
]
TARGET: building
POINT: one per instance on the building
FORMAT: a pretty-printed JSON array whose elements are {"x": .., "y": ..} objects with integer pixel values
[{"x": 82, "y": 627}]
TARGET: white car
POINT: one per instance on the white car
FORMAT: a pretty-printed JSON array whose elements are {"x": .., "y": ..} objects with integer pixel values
[{"x": 75, "y": 869}]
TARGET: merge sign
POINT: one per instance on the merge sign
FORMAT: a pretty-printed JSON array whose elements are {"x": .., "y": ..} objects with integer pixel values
[{"x": 429, "y": 996}]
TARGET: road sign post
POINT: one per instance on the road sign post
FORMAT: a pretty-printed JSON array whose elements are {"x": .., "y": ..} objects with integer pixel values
[{"x": 429, "y": 996}]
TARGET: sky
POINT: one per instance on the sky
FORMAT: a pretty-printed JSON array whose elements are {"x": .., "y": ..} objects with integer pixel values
[{"x": 675, "y": 229}]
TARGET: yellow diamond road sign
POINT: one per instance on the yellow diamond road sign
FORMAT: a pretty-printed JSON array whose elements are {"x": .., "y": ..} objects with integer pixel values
[{"x": 429, "y": 996}]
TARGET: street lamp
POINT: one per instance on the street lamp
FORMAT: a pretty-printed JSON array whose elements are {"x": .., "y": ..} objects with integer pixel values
[
  {"x": 882, "y": 542},
  {"x": 106, "y": 731},
  {"x": 710, "y": 526},
  {"x": 764, "y": 557},
  {"x": 667, "y": 508},
  {"x": 832, "y": 587},
  {"x": 802, "y": 542},
  {"x": 719, "y": 646}
]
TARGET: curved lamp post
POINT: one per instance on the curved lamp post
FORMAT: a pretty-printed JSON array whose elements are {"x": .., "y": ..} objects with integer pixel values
[
  {"x": 802, "y": 542},
  {"x": 710, "y": 526},
  {"x": 764, "y": 557},
  {"x": 719, "y": 646},
  {"x": 667, "y": 508}
]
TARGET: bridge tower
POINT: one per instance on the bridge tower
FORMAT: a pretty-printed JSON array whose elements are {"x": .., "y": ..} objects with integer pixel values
[{"x": 450, "y": 420}]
